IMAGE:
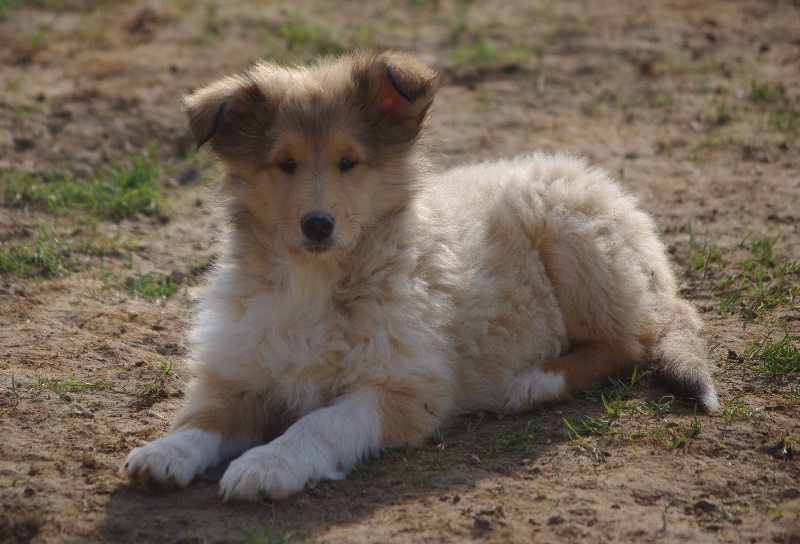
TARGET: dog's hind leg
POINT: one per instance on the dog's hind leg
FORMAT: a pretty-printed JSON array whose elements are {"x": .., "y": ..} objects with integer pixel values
[
  {"x": 588, "y": 364},
  {"x": 220, "y": 420}
]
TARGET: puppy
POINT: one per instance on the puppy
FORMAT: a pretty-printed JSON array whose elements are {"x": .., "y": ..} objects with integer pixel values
[{"x": 359, "y": 300}]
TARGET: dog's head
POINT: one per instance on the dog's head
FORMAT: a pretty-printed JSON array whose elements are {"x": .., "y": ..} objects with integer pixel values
[{"x": 313, "y": 156}]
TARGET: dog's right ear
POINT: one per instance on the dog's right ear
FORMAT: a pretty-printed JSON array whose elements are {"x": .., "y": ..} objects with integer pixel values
[{"x": 231, "y": 114}]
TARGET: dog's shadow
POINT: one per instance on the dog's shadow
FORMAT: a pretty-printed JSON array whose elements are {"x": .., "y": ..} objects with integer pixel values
[
  {"x": 476, "y": 451},
  {"x": 471, "y": 452}
]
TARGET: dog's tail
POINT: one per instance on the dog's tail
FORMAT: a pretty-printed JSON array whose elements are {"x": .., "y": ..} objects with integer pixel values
[{"x": 678, "y": 355}]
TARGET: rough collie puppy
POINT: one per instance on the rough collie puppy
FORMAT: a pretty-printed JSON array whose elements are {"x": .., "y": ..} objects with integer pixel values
[{"x": 361, "y": 300}]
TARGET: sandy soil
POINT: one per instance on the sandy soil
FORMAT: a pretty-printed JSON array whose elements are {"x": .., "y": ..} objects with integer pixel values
[{"x": 662, "y": 94}]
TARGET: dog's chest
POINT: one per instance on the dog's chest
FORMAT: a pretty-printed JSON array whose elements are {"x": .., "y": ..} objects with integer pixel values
[{"x": 267, "y": 339}]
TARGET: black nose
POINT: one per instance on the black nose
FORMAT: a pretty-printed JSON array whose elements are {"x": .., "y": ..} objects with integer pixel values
[{"x": 317, "y": 226}]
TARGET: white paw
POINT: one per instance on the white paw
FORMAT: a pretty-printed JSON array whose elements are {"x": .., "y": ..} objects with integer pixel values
[
  {"x": 262, "y": 474},
  {"x": 534, "y": 387},
  {"x": 174, "y": 460}
]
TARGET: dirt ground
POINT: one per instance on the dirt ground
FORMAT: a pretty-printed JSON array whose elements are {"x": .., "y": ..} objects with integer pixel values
[{"x": 693, "y": 105}]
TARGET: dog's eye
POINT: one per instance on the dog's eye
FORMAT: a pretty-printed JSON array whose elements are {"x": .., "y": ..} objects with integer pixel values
[
  {"x": 346, "y": 164},
  {"x": 288, "y": 166}
]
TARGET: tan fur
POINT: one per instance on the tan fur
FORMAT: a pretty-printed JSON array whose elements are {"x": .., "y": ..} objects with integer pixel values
[{"x": 495, "y": 286}]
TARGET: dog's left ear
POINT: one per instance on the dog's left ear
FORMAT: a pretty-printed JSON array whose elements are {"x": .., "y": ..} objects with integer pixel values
[{"x": 398, "y": 88}]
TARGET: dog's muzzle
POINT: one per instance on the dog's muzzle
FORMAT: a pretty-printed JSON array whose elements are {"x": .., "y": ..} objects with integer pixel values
[{"x": 317, "y": 227}]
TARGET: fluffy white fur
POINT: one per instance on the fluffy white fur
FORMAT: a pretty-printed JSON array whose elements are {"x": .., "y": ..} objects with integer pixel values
[{"x": 496, "y": 286}]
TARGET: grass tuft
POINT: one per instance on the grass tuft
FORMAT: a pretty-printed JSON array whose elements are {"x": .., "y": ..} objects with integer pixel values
[
  {"x": 48, "y": 256},
  {"x": 574, "y": 434},
  {"x": 758, "y": 279},
  {"x": 300, "y": 34},
  {"x": 703, "y": 255},
  {"x": 684, "y": 435},
  {"x": 509, "y": 436},
  {"x": 7, "y": 6},
  {"x": 65, "y": 389},
  {"x": 481, "y": 52},
  {"x": 115, "y": 192},
  {"x": 148, "y": 286},
  {"x": 765, "y": 93},
  {"x": 52, "y": 254},
  {"x": 621, "y": 389},
  {"x": 155, "y": 389},
  {"x": 733, "y": 409},
  {"x": 774, "y": 359},
  {"x": 266, "y": 533},
  {"x": 785, "y": 120}
]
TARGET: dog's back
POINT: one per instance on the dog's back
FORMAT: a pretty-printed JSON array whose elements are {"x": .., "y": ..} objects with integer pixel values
[{"x": 564, "y": 264}]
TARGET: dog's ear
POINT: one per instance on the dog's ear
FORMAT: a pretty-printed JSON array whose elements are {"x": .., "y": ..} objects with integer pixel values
[
  {"x": 397, "y": 88},
  {"x": 232, "y": 114}
]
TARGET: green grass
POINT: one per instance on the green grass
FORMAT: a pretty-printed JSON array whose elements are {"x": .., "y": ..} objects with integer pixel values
[
  {"x": 147, "y": 286},
  {"x": 511, "y": 435},
  {"x": 760, "y": 281},
  {"x": 150, "y": 286},
  {"x": 77, "y": 384},
  {"x": 8, "y": 6},
  {"x": 575, "y": 435},
  {"x": 657, "y": 407},
  {"x": 785, "y": 120},
  {"x": 715, "y": 140},
  {"x": 36, "y": 41},
  {"x": 471, "y": 47},
  {"x": 151, "y": 393},
  {"x": 298, "y": 40},
  {"x": 51, "y": 254},
  {"x": 300, "y": 34},
  {"x": 166, "y": 366},
  {"x": 614, "y": 407},
  {"x": 723, "y": 113},
  {"x": 774, "y": 358},
  {"x": 682, "y": 436},
  {"x": 442, "y": 459},
  {"x": 48, "y": 256},
  {"x": 12, "y": 85},
  {"x": 734, "y": 409},
  {"x": 621, "y": 389},
  {"x": 157, "y": 374},
  {"x": 115, "y": 192},
  {"x": 765, "y": 93},
  {"x": 661, "y": 100},
  {"x": 615, "y": 402},
  {"x": 266, "y": 533},
  {"x": 213, "y": 25},
  {"x": 675, "y": 435},
  {"x": 14, "y": 391},
  {"x": 64, "y": 389},
  {"x": 748, "y": 279},
  {"x": 481, "y": 52}
]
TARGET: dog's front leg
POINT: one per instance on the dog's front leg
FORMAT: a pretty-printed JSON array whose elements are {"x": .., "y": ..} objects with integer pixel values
[
  {"x": 324, "y": 444},
  {"x": 221, "y": 419}
]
